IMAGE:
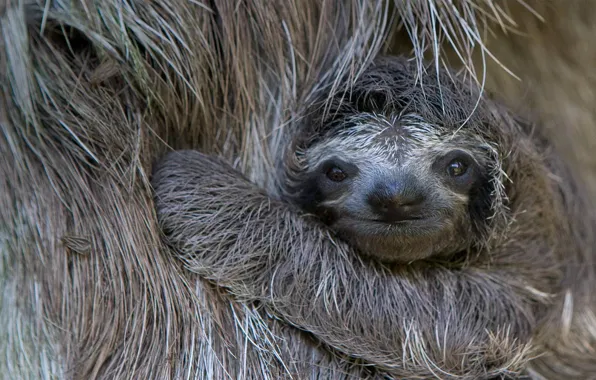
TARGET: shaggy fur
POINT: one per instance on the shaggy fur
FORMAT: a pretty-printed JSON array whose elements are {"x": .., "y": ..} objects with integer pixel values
[
  {"x": 475, "y": 318},
  {"x": 91, "y": 92},
  {"x": 388, "y": 131}
]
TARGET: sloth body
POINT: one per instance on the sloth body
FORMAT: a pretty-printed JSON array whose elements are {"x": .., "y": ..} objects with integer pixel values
[
  {"x": 89, "y": 92},
  {"x": 504, "y": 220}
]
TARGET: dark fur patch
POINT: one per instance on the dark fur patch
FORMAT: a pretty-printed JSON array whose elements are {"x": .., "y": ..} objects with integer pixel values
[
  {"x": 480, "y": 204},
  {"x": 309, "y": 197},
  {"x": 387, "y": 90}
]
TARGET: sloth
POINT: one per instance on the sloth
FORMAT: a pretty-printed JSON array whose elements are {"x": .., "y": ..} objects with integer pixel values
[
  {"x": 467, "y": 203},
  {"x": 390, "y": 182},
  {"x": 91, "y": 95}
]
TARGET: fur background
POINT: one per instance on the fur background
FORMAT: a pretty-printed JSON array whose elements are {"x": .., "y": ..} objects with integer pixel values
[{"x": 92, "y": 92}]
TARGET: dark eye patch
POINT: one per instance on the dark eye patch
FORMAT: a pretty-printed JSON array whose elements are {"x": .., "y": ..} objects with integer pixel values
[
  {"x": 480, "y": 204},
  {"x": 316, "y": 187},
  {"x": 459, "y": 169},
  {"x": 349, "y": 169},
  {"x": 475, "y": 182},
  {"x": 336, "y": 174}
]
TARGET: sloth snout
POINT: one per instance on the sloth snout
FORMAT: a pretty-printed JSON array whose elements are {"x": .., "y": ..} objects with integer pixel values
[{"x": 397, "y": 200}]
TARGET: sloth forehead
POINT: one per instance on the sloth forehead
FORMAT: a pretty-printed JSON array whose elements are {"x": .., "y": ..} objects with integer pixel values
[{"x": 380, "y": 139}]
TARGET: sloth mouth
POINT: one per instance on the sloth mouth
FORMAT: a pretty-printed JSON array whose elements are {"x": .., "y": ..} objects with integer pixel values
[
  {"x": 395, "y": 221},
  {"x": 391, "y": 220},
  {"x": 373, "y": 226}
]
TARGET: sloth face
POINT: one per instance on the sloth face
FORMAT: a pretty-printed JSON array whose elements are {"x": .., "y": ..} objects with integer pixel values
[{"x": 398, "y": 188}]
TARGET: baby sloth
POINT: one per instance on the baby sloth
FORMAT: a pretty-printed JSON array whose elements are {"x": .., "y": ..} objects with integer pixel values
[
  {"x": 489, "y": 233},
  {"x": 397, "y": 185}
]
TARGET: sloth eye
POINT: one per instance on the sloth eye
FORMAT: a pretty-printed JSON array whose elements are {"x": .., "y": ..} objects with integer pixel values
[
  {"x": 457, "y": 168},
  {"x": 337, "y": 170},
  {"x": 336, "y": 174}
]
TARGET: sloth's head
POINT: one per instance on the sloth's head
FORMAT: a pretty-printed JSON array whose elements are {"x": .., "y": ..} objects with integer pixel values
[{"x": 391, "y": 169}]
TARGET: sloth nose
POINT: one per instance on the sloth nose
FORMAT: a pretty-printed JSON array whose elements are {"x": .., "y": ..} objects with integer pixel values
[{"x": 396, "y": 201}]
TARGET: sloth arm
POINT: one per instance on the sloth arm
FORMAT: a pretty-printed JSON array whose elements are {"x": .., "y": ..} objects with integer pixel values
[{"x": 418, "y": 319}]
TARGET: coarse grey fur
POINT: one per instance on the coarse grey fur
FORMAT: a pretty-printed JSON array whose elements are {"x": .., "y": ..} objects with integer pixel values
[
  {"x": 93, "y": 91},
  {"x": 493, "y": 310},
  {"x": 395, "y": 143}
]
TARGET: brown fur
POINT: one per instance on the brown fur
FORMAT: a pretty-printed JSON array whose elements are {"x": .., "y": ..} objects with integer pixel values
[
  {"x": 478, "y": 318},
  {"x": 92, "y": 92},
  {"x": 395, "y": 129}
]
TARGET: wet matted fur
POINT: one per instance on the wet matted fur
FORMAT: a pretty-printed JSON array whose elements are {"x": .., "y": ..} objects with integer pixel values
[{"x": 93, "y": 91}]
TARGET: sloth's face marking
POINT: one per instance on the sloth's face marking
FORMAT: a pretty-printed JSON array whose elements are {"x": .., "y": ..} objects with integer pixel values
[{"x": 397, "y": 187}]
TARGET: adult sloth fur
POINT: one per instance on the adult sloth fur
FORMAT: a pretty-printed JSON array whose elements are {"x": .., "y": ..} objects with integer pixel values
[
  {"x": 92, "y": 91},
  {"x": 473, "y": 318}
]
